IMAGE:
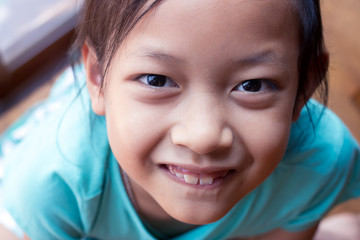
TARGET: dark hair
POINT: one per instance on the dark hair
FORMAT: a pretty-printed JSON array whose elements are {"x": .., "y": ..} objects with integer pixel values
[
  {"x": 106, "y": 23},
  {"x": 313, "y": 58}
]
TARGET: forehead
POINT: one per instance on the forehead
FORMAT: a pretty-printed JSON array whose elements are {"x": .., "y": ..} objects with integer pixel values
[
  {"x": 191, "y": 28},
  {"x": 230, "y": 11}
]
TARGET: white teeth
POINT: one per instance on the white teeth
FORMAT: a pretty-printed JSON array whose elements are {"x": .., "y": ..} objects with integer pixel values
[
  {"x": 191, "y": 179},
  {"x": 179, "y": 175},
  {"x": 206, "y": 180}
]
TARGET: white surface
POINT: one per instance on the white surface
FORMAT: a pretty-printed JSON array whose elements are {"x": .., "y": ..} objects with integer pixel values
[{"x": 29, "y": 26}]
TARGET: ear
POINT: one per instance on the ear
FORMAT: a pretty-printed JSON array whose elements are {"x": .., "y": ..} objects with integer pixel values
[
  {"x": 93, "y": 79},
  {"x": 315, "y": 75}
]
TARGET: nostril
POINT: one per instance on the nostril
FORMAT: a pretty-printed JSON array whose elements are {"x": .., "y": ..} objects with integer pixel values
[
  {"x": 178, "y": 136},
  {"x": 226, "y": 138}
]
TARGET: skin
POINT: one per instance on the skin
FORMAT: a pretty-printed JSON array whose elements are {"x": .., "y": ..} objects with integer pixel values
[{"x": 203, "y": 120}]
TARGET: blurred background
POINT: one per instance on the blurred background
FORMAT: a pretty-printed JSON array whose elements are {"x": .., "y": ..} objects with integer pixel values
[
  {"x": 342, "y": 37},
  {"x": 36, "y": 34},
  {"x": 34, "y": 38}
]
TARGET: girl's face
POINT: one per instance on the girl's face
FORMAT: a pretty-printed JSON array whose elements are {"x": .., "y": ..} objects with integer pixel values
[{"x": 198, "y": 101}]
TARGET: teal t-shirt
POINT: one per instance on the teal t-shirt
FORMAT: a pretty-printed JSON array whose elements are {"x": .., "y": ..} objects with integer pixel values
[{"x": 61, "y": 180}]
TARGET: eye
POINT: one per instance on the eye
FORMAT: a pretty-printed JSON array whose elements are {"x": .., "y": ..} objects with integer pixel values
[
  {"x": 255, "y": 85},
  {"x": 157, "y": 81}
]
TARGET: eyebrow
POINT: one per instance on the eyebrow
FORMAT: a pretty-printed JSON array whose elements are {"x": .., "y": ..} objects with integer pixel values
[
  {"x": 264, "y": 57},
  {"x": 160, "y": 56}
]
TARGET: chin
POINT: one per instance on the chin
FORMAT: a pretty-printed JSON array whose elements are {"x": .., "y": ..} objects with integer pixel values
[{"x": 199, "y": 215}]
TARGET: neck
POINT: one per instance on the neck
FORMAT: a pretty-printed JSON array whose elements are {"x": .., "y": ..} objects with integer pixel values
[{"x": 164, "y": 228}]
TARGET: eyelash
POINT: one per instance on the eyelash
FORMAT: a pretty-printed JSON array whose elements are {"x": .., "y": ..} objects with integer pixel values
[
  {"x": 149, "y": 79},
  {"x": 258, "y": 85},
  {"x": 163, "y": 81}
]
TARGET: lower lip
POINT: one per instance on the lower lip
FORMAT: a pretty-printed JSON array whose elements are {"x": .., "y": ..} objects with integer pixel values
[{"x": 216, "y": 182}]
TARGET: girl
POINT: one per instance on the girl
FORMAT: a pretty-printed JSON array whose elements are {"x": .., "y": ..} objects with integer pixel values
[{"x": 197, "y": 128}]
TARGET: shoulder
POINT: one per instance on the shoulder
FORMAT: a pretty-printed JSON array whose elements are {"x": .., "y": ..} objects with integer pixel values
[
  {"x": 322, "y": 148},
  {"x": 320, "y": 138},
  {"x": 57, "y": 171},
  {"x": 70, "y": 143},
  {"x": 320, "y": 167},
  {"x": 59, "y": 134}
]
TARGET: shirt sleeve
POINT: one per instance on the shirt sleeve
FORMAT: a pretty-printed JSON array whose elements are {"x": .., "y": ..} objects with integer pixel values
[{"x": 38, "y": 197}]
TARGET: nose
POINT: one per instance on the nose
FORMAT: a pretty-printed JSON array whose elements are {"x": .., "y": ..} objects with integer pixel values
[{"x": 203, "y": 129}]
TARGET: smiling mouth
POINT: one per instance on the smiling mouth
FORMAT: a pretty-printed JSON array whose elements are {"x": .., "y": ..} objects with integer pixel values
[{"x": 198, "y": 178}]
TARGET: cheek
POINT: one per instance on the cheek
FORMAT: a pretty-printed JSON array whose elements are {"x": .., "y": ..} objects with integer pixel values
[
  {"x": 133, "y": 129},
  {"x": 266, "y": 136}
]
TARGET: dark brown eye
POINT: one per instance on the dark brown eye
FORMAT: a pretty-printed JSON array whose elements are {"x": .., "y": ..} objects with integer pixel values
[
  {"x": 252, "y": 85},
  {"x": 256, "y": 85},
  {"x": 157, "y": 81}
]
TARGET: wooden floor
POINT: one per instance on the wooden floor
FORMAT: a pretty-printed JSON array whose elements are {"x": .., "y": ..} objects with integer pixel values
[{"x": 342, "y": 36}]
